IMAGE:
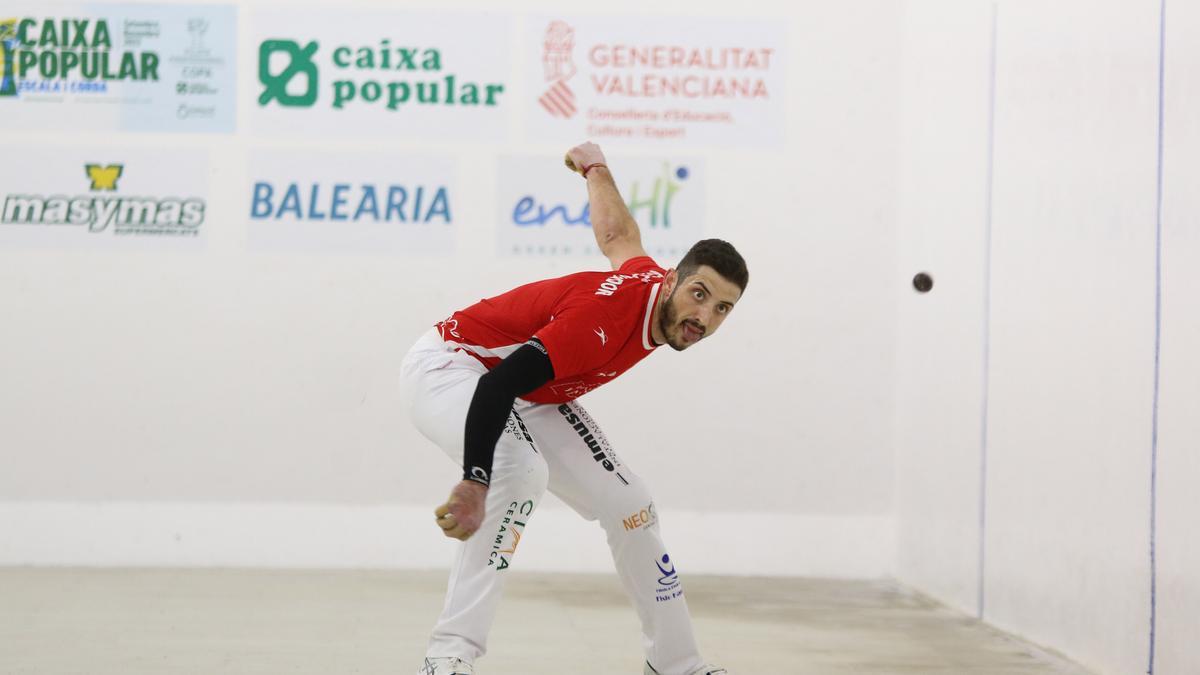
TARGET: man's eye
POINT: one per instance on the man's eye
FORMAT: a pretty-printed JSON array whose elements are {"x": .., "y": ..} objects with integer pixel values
[{"x": 699, "y": 294}]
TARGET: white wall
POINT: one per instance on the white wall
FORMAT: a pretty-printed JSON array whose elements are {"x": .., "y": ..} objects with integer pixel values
[
  {"x": 185, "y": 403},
  {"x": 942, "y": 222},
  {"x": 1025, "y": 477},
  {"x": 1178, "y": 466}
]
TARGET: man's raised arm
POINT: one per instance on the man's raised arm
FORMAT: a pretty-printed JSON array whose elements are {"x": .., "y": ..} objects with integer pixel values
[{"x": 615, "y": 229}]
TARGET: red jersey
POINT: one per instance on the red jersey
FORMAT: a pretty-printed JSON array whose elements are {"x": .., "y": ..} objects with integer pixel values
[{"x": 594, "y": 325}]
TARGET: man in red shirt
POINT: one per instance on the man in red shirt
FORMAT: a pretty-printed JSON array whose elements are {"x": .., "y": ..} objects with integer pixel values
[{"x": 495, "y": 386}]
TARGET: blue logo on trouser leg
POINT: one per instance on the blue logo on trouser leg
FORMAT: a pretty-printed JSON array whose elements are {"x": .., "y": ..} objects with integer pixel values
[{"x": 668, "y": 575}]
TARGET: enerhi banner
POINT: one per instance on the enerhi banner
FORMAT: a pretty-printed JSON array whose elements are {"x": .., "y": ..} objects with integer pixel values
[{"x": 543, "y": 210}]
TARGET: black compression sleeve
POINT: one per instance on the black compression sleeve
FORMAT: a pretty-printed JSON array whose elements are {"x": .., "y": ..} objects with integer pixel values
[{"x": 523, "y": 371}]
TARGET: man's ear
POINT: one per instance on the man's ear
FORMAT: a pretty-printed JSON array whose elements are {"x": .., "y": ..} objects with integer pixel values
[{"x": 669, "y": 281}]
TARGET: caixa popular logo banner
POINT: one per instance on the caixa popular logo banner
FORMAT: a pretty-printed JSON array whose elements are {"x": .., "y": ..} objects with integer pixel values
[
  {"x": 368, "y": 72},
  {"x": 544, "y": 208},
  {"x": 103, "y": 198},
  {"x": 153, "y": 68},
  {"x": 332, "y": 203},
  {"x": 678, "y": 79}
]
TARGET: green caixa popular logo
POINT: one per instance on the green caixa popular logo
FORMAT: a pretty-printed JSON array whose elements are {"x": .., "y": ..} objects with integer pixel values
[
  {"x": 382, "y": 75},
  {"x": 55, "y": 53}
]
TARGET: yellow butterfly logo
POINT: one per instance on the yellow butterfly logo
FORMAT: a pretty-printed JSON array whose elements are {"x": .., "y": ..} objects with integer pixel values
[{"x": 104, "y": 177}]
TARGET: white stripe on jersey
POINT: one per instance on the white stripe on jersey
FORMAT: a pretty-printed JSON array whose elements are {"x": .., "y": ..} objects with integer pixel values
[
  {"x": 494, "y": 352},
  {"x": 649, "y": 311}
]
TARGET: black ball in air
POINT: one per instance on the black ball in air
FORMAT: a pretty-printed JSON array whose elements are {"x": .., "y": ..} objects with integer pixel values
[{"x": 922, "y": 282}]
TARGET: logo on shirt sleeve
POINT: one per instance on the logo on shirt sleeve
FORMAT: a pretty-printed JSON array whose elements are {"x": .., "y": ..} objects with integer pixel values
[
  {"x": 609, "y": 285},
  {"x": 603, "y": 338}
]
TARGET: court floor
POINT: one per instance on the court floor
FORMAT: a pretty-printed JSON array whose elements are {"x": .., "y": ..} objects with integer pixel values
[{"x": 167, "y": 622}]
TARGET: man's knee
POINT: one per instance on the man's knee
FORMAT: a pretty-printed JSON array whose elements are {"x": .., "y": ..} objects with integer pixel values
[{"x": 633, "y": 511}]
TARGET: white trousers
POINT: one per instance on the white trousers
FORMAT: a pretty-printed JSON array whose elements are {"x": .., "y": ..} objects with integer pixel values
[{"x": 555, "y": 447}]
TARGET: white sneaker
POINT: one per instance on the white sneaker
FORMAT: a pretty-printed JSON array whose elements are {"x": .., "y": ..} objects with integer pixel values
[
  {"x": 446, "y": 665},
  {"x": 704, "y": 670}
]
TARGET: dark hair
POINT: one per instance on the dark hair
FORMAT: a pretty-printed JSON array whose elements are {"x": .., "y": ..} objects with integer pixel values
[{"x": 719, "y": 255}]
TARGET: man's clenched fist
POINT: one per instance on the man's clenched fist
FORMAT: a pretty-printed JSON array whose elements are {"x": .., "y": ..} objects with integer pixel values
[
  {"x": 462, "y": 513},
  {"x": 582, "y": 156}
]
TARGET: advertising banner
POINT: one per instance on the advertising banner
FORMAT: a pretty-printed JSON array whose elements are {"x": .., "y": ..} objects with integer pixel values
[
  {"x": 318, "y": 202},
  {"x": 104, "y": 198},
  {"x": 388, "y": 74},
  {"x": 100, "y": 67},
  {"x": 714, "y": 81},
  {"x": 543, "y": 207}
]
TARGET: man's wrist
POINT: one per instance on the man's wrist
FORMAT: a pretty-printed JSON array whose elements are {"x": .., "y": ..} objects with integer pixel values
[
  {"x": 477, "y": 474},
  {"x": 588, "y": 168}
]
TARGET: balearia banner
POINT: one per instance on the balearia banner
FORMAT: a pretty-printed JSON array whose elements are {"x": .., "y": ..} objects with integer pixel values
[{"x": 352, "y": 203}]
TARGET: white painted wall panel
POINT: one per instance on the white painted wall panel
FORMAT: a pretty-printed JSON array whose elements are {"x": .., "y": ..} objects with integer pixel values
[
  {"x": 1073, "y": 328},
  {"x": 1069, "y": 407},
  {"x": 942, "y": 219},
  {"x": 1178, "y": 537}
]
